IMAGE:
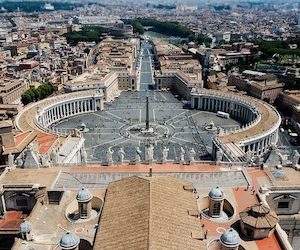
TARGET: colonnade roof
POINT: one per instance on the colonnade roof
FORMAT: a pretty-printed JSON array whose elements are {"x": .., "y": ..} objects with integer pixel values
[
  {"x": 25, "y": 120},
  {"x": 269, "y": 116}
]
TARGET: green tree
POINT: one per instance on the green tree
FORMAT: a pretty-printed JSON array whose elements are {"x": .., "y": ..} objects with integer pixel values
[
  {"x": 167, "y": 28},
  {"x": 138, "y": 27},
  {"x": 35, "y": 94},
  {"x": 26, "y": 98}
]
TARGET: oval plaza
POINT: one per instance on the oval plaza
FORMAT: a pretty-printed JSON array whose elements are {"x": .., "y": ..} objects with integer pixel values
[{"x": 259, "y": 121}]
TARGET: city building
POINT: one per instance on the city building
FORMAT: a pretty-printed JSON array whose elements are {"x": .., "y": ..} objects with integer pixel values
[
  {"x": 257, "y": 84},
  {"x": 11, "y": 91},
  {"x": 115, "y": 69},
  {"x": 177, "y": 70}
]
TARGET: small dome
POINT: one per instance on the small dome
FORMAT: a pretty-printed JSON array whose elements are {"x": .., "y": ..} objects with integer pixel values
[
  {"x": 216, "y": 193},
  {"x": 259, "y": 216},
  {"x": 25, "y": 227},
  {"x": 230, "y": 238},
  {"x": 69, "y": 241},
  {"x": 84, "y": 195}
]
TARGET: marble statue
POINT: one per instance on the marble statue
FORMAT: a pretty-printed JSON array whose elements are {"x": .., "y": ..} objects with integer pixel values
[
  {"x": 83, "y": 155},
  {"x": 138, "y": 155},
  {"x": 249, "y": 156},
  {"x": 165, "y": 152},
  {"x": 121, "y": 155},
  {"x": 149, "y": 152},
  {"x": 76, "y": 133},
  {"x": 219, "y": 155},
  {"x": 295, "y": 157},
  {"x": 182, "y": 152},
  {"x": 109, "y": 155},
  {"x": 258, "y": 160},
  {"x": 220, "y": 131},
  {"x": 19, "y": 161},
  {"x": 192, "y": 154},
  {"x": 54, "y": 157},
  {"x": 45, "y": 161},
  {"x": 11, "y": 163}
]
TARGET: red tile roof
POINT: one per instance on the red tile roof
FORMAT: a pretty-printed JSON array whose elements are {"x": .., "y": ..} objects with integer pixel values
[
  {"x": 45, "y": 142},
  {"x": 11, "y": 222}
]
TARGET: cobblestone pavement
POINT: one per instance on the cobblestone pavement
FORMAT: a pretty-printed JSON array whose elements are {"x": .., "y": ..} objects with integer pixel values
[{"x": 176, "y": 127}]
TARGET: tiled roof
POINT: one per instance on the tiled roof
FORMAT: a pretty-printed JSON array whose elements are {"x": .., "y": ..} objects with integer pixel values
[
  {"x": 259, "y": 216},
  {"x": 17, "y": 143},
  {"x": 149, "y": 213},
  {"x": 45, "y": 142},
  {"x": 11, "y": 222}
]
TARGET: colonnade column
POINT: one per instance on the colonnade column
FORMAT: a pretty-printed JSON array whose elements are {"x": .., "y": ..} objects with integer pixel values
[
  {"x": 193, "y": 103},
  {"x": 200, "y": 103}
]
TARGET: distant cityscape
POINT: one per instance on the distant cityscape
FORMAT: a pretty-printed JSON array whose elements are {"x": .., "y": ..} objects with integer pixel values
[{"x": 149, "y": 125}]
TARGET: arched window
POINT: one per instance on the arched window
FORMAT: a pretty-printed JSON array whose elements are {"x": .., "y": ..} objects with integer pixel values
[{"x": 83, "y": 210}]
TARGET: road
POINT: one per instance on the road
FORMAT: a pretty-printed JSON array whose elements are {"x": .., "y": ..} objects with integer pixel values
[{"x": 146, "y": 73}]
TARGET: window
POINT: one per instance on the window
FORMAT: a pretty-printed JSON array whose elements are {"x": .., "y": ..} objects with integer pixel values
[
  {"x": 21, "y": 202},
  {"x": 250, "y": 233},
  {"x": 283, "y": 204},
  {"x": 216, "y": 209},
  {"x": 83, "y": 210}
]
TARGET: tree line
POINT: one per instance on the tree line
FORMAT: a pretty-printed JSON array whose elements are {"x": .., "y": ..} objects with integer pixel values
[
  {"x": 168, "y": 28},
  {"x": 87, "y": 34},
  {"x": 270, "y": 48},
  {"x": 35, "y": 94}
]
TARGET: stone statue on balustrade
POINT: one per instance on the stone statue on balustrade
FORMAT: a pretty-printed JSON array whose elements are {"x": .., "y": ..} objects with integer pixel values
[
  {"x": 165, "y": 153},
  {"x": 54, "y": 157},
  {"x": 83, "y": 155},
  {"x": 258, "y": 160},
  {"x": 121, "y": 155},
  {"x": 45, "y": 161},
  {"x": 249, "y": 156},
  {"x": 149, "y": 153},
  {"x": 138, "y": 155},
  {"x": 109, "y": 156},
  {"x": 76, "y": 133},
  {"x": 295, "y": 158},
  {"x": 19, "y": 160},
  {"x": 219, "y": 155},
  {"x": 11, "y": 162},
  {"x": 220, "y": 130},
  {"x": 191, "y": 155},
  {"x": 181, "y": 156}
]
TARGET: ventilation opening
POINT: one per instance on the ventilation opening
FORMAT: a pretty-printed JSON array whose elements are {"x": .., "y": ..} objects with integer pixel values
[
  {"x": 54, "y": 197},
  {"x": 189, "y": 187}
]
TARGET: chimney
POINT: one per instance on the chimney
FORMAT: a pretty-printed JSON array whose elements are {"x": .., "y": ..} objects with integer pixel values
[{"x": 150, "y": 172}]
